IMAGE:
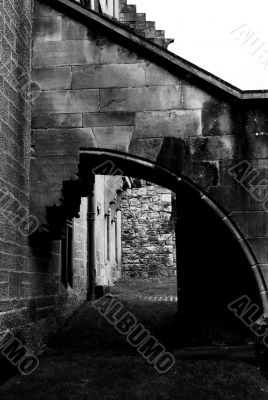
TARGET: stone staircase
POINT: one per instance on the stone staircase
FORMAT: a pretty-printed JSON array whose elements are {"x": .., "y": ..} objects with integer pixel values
[{"x": 129, "y": 16}]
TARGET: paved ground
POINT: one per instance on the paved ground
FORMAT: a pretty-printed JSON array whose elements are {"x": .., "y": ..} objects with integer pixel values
[{"x": 90, "y": 360}]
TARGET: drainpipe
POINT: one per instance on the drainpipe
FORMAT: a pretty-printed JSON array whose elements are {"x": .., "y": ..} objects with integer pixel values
[{"x": 91, "y": 268}]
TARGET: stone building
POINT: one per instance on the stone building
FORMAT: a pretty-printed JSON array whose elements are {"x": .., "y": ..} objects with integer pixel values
[{"x": 107, "y": 92}]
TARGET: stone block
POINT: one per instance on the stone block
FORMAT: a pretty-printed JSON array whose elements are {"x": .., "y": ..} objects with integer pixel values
[
  {"x": 113, "y": 53},
  {"x": 230, "y": 198},
  {"x": 166, "y": 198},
  {"x": 146, "y": 148},
  {"x": 213, "y": 148},
  {"x": 52, "y": 78},
  {"x": 108, "y": 119},
  {"x": 41, "y": 9},
  {"x": 257, "y": 147},
  {"x": 108, "y": 76},
  {"x": 57, "y": 121},
  {"x": 168, "y": 124},
  {"x": 74, "y": 30},
  {"x": 264, "y": 271},
  {"x": 195, "y": 98},
  {"x": 252, "y": 224},
  {"x": 47, "y": 29},
  {"x": 14, "y": 284},
  {"x": 67, "y": 101},
  {"x": 4, "y": 287},
  {"x": 259, "y": 247},
  {"x": 116, "y": 137},
  {"x": 157, "y": 76},
  {"x": 50, "y": 170},
  {"x": 12, "y": 262},
  {"x": 71, "y": 52},
  {"x": 217, "y": 121},
  {"x": 63, "y": 142},
  {"x": 140, "y": 99}
]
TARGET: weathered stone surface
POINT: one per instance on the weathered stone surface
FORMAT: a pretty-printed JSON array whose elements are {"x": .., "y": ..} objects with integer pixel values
[
  {"x": 147, "y": 234},
  {"x": 195, "y": 98},
  {"x": 107, "y": 76},
  {"x": 257, "y": 147},
  {"x": 230, "y": 198},
  {"x": 157, "y": 76},
  {"x": 52, "y": 78},
  {"x": 42, "y": 10},
  {"x": 217, "y": 121},
  {"x": 108, "y": 119},
  {"x": 205, "y": 174},
  {"x": 57, "y": 121},
  {"x": 167, "y": 124},
  {"x": 47, "y": 169},
  {"x": 264, "y": 271},
  {"x": 65, "y": 53},
  {"x": 63, "y": 142},
  {"x": 116, "y": 137},
  {"x": 47, "y": 29},
  {"x": 113, "y": 53},
  {"x": 73, "y": 30},
  {"x": 146, "y": 148},
  {"x": 213, "y": 148},
  {"x": 252, "y": 224},
  {"x": 140, "y": 99},
  {"x": 260, "y": 248},
  {"x": 67, "y": 101}
]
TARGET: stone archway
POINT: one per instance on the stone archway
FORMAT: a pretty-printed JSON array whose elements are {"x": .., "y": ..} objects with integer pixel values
[
  {"x": 104, "y": 87},
  {"x": 225, "y": 278}
]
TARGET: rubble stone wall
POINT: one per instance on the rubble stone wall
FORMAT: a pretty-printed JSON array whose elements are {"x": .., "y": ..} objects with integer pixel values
[{"x": 148, "y": 233}]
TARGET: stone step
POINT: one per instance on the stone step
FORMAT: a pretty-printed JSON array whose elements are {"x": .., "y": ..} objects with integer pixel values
[
  {"x": 160, "y": 33},
  {"x": 146, "y": 25},
  {"x": 161, "y": 41},
  {"x": 129, "y": 8},
  {"x": 137, "y": 22},
  {"x": 132, "y": 17},
  {"x": 149, "y": 33}
]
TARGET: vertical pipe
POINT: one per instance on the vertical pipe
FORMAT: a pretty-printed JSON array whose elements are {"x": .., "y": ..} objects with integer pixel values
[
  {"x": 178, "y": 243},
  {"x": 91, "y": 271}
]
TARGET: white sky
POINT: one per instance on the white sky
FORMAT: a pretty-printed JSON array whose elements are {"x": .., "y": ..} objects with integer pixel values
[{"x": 201, "y": 29}]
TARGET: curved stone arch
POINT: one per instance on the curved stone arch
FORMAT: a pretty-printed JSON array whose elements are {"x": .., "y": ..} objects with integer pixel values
[{"x": 151, "y": 170}]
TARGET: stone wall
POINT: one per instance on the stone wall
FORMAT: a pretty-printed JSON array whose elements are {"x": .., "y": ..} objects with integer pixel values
[
  {"x": 15, "y": 116},
  {"x": 148, "y": 232},
  {"x": 106, "y": 88}
]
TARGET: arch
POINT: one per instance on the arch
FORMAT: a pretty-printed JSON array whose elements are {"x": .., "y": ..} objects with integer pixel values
[{"x": 138, "y": 167}]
